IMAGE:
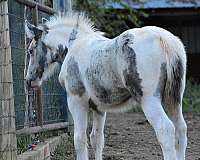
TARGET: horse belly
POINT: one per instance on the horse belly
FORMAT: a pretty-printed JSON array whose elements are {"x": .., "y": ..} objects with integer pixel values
[
  {"x": 111, "y": 97},
  {"x": 106, "y": 86}
]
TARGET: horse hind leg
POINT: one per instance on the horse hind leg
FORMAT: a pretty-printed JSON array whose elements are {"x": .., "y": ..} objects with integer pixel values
[
  {"x": 172, "y": 100},
  {"x": 176, "y": 116},
  {"x": 175, "y": 113},
  {"x": 163, "y": 126}
]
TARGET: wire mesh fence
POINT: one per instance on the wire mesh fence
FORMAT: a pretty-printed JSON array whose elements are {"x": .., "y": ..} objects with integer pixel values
[
  {"x": 22, "y": 110},
  {"x": 53, "y": 100}
]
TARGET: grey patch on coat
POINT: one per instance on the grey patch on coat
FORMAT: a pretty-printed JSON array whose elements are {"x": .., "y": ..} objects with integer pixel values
[
  {"x": 160, "y": 90},
  {"x": 60, "y": 54},
  {"x": 37, "y": 33},
  {"x": 41, "y": 58},
  {"x": 73, "y": 36},
  {"x": 45, "y": 29},
  {"x": 75, "y": 83},
  {"x": 41, "y": 61},
  {"x": 174, "y": 85},
  {"x": 114, "y": 95},
  {"x": 94, "y": 107},
  {"x": 131, "y": 76}
]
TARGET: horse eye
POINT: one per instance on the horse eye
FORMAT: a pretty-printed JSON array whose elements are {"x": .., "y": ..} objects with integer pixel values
[{"x": 31, "y": 51}]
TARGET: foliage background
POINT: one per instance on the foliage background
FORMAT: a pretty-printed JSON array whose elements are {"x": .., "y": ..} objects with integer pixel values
[{"x": 106, "y": 18}]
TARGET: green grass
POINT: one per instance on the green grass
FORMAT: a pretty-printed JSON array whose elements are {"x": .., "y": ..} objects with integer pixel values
[
  {"x": 191, "y": 100},
  {"x": 24, "y": 141}
]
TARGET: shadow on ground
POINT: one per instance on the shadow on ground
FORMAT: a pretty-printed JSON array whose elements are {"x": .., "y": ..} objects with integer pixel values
[{"x": 129, "y": 136}]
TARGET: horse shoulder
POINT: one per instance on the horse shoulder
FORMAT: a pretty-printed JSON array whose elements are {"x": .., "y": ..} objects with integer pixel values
[{"x": 70, "y": 76}]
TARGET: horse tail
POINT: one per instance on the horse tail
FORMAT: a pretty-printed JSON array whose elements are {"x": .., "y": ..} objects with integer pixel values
[{"x": 176, "y": 71}]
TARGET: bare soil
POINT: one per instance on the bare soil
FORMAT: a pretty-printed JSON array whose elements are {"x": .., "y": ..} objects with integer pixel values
[{"x": 129, "y": 136}]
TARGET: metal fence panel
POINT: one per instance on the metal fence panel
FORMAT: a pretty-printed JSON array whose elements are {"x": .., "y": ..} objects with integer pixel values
[{"x": 53, "y": 94}]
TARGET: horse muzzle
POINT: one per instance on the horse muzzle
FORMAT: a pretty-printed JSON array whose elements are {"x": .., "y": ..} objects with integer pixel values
[
  {"x": 28, "y": 83},
  {"x": 32, "y": 83}
]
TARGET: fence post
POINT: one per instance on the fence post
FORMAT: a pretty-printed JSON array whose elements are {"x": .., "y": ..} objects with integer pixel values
[
  {"x": 39, "y": 106},
  {"x": 62, "y": 5},
  {"x": 8, "y": 146}
]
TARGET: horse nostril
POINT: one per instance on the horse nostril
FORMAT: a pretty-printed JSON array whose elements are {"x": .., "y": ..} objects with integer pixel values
[
  {"x": 28, "y": 83},
  {"x": 31, "y": 72}
]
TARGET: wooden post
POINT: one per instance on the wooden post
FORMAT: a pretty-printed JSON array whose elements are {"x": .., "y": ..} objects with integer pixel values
[
  {"x": 42, "y": 8},
  {"x": 8, "y": 145},
  {"x": 41, "y": 1},
  {"x": 62, "y": 6},
  {"x": 44, "y": 128},
  {"x": 27, "y": 115},
  {"x": 39, "y": 106}
]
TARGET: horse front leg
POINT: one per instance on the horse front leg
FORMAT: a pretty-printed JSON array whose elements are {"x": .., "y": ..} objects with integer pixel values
[
  {"x": 97, "y": 134},
  {"x": 79, "y": 113}
]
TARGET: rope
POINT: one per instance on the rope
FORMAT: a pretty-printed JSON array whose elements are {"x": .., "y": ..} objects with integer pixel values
[
  {"x": 4, "y": 30},
  {"x": 7, "y": 149},
  {"x": 7, "y": 99},
  {"x": 5, "y": 64},
  {"x": 5, "y": 133},
  {"x": 7, "y": 116},
  {"x": 5, "y": 47},
  {"x": 6, "y": 82},
  {"x": 10, "y": 14}
]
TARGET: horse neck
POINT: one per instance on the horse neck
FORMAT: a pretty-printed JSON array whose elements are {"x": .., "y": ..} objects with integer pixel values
[{"x": 76, "y": 35}]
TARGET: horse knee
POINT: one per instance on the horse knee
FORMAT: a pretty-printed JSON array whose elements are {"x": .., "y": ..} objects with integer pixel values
[
  {"x": 166, "y": 135},
  {"x": 100, "y": 138},
  {"x": 92, "y": 135},
  {"x": 80, "y": 142},
  {"x": 96, "y": 136},
  {"x": 181, "y": 133},
  {"x": 182, "y": 126},
  {"x": 181, "y": 139},
  {"x": 93, "y": 140}
]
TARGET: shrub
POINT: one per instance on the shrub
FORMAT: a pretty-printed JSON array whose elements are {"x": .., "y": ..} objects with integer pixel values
[{"x": 191, "y": 100}]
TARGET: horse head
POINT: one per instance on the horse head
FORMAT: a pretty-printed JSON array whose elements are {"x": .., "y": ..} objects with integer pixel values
[{"x": 45, "y": 51}]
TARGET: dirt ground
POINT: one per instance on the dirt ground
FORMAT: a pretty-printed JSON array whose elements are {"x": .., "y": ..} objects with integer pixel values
[{"x": 129, "y": 136}]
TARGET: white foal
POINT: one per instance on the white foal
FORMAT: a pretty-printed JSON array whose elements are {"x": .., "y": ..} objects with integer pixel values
[{"x": 144, "y": 65}]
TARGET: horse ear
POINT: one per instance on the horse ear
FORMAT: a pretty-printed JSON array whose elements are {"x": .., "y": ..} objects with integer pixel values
[
  {"x": 55, "y": 57},
  {"x": 62, "y": 51},
  {"x": 59, "y": 56},
  {"x": 29, "y": 30},
  {"x": 44, "y": 20},
  {"x": 32, "y": 31}
]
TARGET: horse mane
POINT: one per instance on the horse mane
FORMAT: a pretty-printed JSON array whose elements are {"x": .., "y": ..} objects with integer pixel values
[{"x": 70, "y": 19}]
